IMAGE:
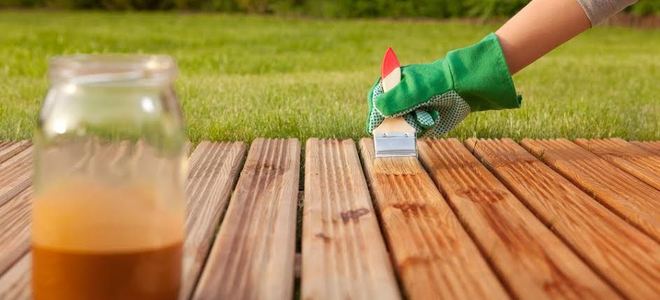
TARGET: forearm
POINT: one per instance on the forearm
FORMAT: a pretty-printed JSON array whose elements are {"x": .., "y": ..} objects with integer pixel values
[{"x": 538, "y": 28}]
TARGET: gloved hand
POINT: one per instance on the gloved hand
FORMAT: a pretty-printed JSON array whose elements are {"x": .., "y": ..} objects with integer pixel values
[{"x": 435, "y": 97}]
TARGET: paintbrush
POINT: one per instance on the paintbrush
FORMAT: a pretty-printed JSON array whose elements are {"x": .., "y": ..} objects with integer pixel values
[{"x": 395, "y": 144}]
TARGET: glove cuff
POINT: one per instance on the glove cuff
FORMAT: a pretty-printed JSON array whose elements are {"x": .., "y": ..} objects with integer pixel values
[{"x": 481, "y": 75}]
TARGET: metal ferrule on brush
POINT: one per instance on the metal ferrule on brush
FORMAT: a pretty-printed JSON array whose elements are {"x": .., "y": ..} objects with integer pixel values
[{"x": 395, "y": 144}]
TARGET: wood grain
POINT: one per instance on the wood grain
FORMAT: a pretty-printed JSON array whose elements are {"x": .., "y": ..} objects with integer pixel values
[
  {"x": 624, "y": 256},
  {"x": 15, "y": 224},
  {"x": 650, "y": 146},
  {"x": 343, "y": 252},
  {"x": 635, "y": 160},
  {"x": 9, "y": 149},
  {"x": 15, "y": 174},
  {"x": 15, "y": 284},
  {"x": 214, "y": 169},
  {"x": 630, "y": 198},
  {"x": 433, "y": 255},
  {"x": 510, "y": 236},
  {"x": 253, "y": 255}
]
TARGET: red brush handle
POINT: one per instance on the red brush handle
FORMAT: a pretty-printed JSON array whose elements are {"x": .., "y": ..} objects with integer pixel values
[{"x": 390, "y": 62}]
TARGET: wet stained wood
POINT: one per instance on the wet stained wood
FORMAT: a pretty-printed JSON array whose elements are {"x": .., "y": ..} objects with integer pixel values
[
  {"x": 650, "y": 146},
  {"x": 253, "y": 255},
  {"x": 15, "y": 174},
  {"x": 433, "y": 255},
  {"x": 9, "y": 149},
  {"x": 15, "y": 233},
  {"x": 638, "y": 162},
  {"x": 213, "y": 171},
  {"x": 509, "y": 235},
  {"x": 630, "y": 198},
  {"x": 624, "y": 256},
  {"x": 343, "y": 252}
]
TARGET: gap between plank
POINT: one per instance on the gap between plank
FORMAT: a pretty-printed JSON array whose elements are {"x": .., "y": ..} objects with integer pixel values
[{"x": 223, "y": 210}]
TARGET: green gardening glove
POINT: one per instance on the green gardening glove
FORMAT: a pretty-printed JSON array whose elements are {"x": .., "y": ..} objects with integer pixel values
[{"x": 435, "y": 97}]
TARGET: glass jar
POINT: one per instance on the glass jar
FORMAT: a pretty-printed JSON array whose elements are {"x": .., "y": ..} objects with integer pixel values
[{"x": 108, "y": 214}]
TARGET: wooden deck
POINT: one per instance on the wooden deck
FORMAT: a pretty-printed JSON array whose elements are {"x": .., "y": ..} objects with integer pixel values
[{"x": 476, "y": 219}]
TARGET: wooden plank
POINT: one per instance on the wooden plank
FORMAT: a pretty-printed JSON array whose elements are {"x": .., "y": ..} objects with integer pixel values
[
  {"x": 214, "y": 169},
  {"x": 638, "y": 162},
  {"x": 619, "y": 191},
  {"x": 510, "y": 236},
  {"x": 15, "y": 175},
  {"x": 15, "y": 233},
  {"x": 343, "y": 252},
  {"x": 9, "y": 149},
  {"x": 15, "y": 261},
  {"x": 627, "y": 258},
  {"x": 650, "y": 146},
  {"x": 15, "y": 284},
  {"x": 433, "y": 255},
  {"x": 253, "y": 255}
]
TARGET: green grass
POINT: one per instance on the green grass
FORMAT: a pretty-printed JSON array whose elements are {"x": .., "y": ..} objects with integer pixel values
[{"x": 243, "y": 77}]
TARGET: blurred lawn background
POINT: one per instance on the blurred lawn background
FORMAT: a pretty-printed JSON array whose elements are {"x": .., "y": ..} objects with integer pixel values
[
  {"x": 244, "y": 76},
  {"x": 319, "y": 8}
]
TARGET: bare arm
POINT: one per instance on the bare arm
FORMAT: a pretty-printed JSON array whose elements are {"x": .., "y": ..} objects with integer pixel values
[{"x": 538, "y": 28}]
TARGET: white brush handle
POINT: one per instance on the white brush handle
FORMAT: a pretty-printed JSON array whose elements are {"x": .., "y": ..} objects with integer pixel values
[
  {"x": 391, "y": 80},
  {"x": 397, "y": 124}
]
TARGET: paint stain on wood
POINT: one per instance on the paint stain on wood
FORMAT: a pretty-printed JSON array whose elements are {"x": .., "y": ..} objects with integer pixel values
[
  {"x": 410, "y": 207},
  {"x": 324, "y": 237},
  {"x": 353, "y": 214},
  {"x": 485, "y": 195}
]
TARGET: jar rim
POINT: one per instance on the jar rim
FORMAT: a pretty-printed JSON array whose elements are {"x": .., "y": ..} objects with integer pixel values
[{"x": 99, "y": 68}]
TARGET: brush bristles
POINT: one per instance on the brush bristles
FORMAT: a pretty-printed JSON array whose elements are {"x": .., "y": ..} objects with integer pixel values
[{"x": 397, "y": 165}]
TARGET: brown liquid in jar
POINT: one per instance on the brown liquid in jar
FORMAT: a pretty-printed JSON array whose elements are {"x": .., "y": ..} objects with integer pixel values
[
  {"x": 95, "y": 242},
  {"x": 141, "y": 274}
]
